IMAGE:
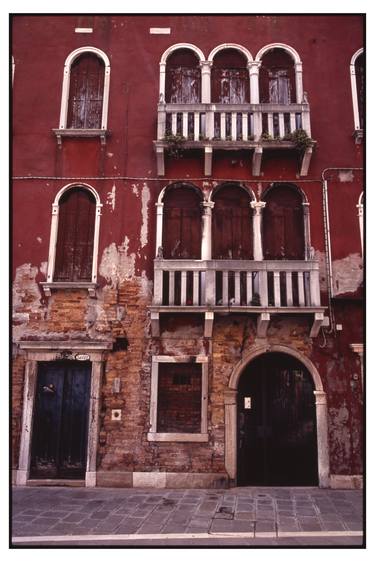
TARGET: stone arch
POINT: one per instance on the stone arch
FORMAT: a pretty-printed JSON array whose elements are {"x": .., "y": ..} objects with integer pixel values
[
  {"x": 178, "y": 46},
  {"x": 236, "y": 46},
  {"x": 284, "y": 46},
  {"x": 230, "y": 401}
]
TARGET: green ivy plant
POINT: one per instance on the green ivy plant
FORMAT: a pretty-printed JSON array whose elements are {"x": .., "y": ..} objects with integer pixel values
[
  {"x": 300, "y": 139},
  {"x": 175, "y": 144}
]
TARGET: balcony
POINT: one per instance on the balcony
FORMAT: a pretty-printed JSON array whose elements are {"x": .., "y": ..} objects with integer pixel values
[
  {"x": 254, "y": 127},
  {"x": 263, "y": 288}
]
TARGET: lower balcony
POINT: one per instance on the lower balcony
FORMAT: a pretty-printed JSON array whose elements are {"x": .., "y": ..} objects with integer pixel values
[{"x": 263, "y": 288}]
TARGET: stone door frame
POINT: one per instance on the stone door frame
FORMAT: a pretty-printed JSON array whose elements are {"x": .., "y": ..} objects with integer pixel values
[
  {"x": 53, "y": 351},
  {"x": 230, "y": 402}
]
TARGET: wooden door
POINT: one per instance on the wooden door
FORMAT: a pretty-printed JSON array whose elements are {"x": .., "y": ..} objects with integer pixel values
[
  {"x": 277, "y": 443},
  {"x": 60, "y": 427}
]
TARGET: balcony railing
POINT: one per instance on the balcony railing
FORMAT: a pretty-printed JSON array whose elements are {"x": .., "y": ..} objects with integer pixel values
[
  {"x": 231, "y": 127},
  {"x": 243, "y": 286},
  {"x": 236, "y": 283},
  {"x": 231, "y": 121}
]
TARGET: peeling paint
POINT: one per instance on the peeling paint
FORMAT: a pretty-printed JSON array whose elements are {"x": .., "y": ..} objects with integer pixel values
[
  {"x": 347, "y": 274},
  {"x": 144, "y": 227},
  {"x": 43, "y": 268},
  {"x": 321, "y": 258},
  {"x": 116, "y": 265},
  {"x": 135, "y": 189},
  {"x": 39, "y": 239},
  {"x": 111, "y": 197},
  {"x": 26, "y": 297},
  {"x": 146, "y": 286},
  {"x": 346, "y": 176}
]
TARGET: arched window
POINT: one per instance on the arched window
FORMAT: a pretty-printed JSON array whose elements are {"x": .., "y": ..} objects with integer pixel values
[
  {"x": 74, "y": 239},
  {"x": 182, "y": 228},
  {"x": 230, "y": 77},
  {"x": 183, "y": 77},
  {"x": 277, "y": 78},
  {"x": 75, "y": 236},
  {"x": 232, "y": 233},
  {"x": 84, "y": 103},
  {"x": 283, "y": 231},
  {"x": 357, "y": 70},
  {"x": 86, "y": 92}
]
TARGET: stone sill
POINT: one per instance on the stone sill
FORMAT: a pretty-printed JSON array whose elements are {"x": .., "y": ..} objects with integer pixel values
[
  {"x": 48, "y": 287},
  {"x": 81, "y": 133},
  {"x": 240, "y": 309},
  {"x": 178, "y": 437}
]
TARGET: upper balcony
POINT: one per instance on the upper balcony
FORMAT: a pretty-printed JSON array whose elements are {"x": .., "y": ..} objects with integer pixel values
[
  {"x": 232, "y": 102},
  {"x": 254, "y": 127}
]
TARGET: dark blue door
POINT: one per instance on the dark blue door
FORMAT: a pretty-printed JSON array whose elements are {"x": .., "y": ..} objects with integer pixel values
[{"x": 60, "y": 427}]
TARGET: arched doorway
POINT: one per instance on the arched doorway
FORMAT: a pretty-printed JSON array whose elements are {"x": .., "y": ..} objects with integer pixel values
[
  {"x": 230, "y": 401},
  {"x": 276, "y": 423}
]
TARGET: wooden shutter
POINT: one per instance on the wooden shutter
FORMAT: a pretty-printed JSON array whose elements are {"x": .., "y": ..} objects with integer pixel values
[
  {"x": 86, "y": 93},
  {"x": 230, "y": 78},
  {"x": 182, "y": 224},
  {"x": 277, "y": 78},
  {"x": 231, "y": 226},
  {"x": 283, "y": 228},
  {"x": 75, "y": 238},
  {"x": 183, "y": 78}
]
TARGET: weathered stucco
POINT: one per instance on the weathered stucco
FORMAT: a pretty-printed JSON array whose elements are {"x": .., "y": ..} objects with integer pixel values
[{"x": 347, "y": 274}]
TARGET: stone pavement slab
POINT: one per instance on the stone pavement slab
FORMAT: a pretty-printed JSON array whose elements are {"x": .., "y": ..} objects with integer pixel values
[{"x": 250, "y": 512}]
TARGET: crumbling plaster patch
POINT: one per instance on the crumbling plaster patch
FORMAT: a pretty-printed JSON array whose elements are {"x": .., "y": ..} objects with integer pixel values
[
  {"x": 116, "y": 264},
  {"x": 111, "y": 198},
  {"x": 144, "y": 227},
  {"x": 347, "y": 274}
]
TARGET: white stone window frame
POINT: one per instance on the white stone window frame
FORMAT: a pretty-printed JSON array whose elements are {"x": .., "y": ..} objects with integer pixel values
[
  {"x": 360, "y": 219},
  {"x": 50, "y": 283},
  {"x": 63, "y": 130},
  {"x": 353, "y": 81},
  {"x": 153, "y": 434},
  {"x": 37, "y": 351},
  {"x": 297, "y": 65}
]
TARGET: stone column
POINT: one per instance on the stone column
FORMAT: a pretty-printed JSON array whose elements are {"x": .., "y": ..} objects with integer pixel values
[
  {"x": 299, "y": 83},
  {"x": 205, "y": 81},
  {"x": 322, "y": 437},
  {"x": 159, "y": 227},
  {"x": 206, "y": 251},
  {"x": 360, "y": 218},
  {"x": 253, "y": 68},
  {"x": 22, "y": 474},
  {"x": 257, "y": 207},
  {"x": 230, "y": 403},
  {"x": 162, "y": 81},
  {"x": 306, "y": 229},
  {"x": 93, "y": 433}
]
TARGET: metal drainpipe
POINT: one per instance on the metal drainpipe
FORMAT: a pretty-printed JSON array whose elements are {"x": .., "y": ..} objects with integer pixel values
[{"x": 327, "y": 243}]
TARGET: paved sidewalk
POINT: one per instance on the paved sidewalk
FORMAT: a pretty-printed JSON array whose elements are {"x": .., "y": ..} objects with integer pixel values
[{"x": 132, "y": 516}]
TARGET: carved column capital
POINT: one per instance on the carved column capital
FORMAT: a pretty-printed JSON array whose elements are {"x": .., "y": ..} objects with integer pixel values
[
  {"x": 207, "y": 207},
  {"x": 254, "y": 66},
  {"x": 257, "y": 206}
]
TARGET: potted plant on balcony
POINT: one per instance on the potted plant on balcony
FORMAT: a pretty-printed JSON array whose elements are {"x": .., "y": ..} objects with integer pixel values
[{"x": 175, "y": 144}]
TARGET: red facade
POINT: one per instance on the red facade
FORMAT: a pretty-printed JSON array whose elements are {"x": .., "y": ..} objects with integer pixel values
[{"x": 169, "y": 214}]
